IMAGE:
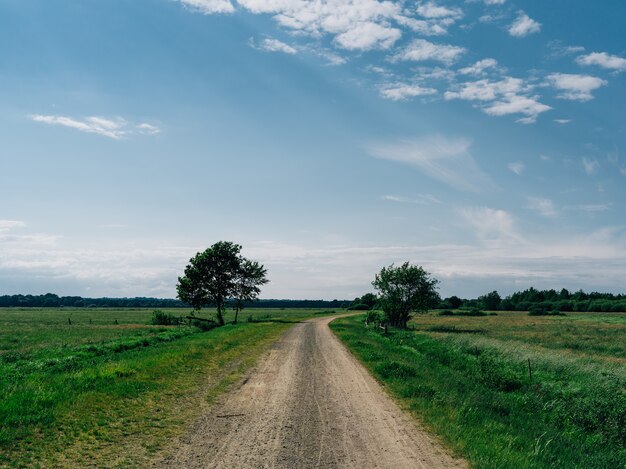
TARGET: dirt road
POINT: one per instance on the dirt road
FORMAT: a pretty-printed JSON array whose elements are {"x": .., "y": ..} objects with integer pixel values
[{"x": 308, "y": 404}]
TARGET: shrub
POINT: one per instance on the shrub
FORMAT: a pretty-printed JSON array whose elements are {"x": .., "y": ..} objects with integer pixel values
[
  {"x": 159, "y": 318},
  {"x": 359, "y": 307},
  {"x": 471, "y": 312},
  {"x": 375, "y": 317},
  {"x": 446, "y": 312}
]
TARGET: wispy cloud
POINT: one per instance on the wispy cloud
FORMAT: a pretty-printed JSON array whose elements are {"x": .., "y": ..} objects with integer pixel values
[
  {"x": 6, "y": 225},
  {"x": 517, "y": 167},
  {"x": 209, "y": 7},
  {"x": 524, "y": 26},
  {"x": 545, "y": 207},
  {"x": 420, "y": 50},
  {"x": 112, "y": 128},
  {"x": 445, "y": 159},
  {"x": 590, "y": 165},
  {"x": 604, "y": 60},
  {"x": 480, "y": 67},
  {"x": 589, "y": 207},
  {"x": 562, "y": 121},
  {"x": 269, "y": 44},
  {"x": 493, "y": 226},
  {"x": 575, "y": 87},
  {"x": 418, "y": 199},
  {"x": 404, "y": 91}
]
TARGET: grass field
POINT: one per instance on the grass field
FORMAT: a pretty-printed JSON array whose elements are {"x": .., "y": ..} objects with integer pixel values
[
  {"x": 103, "y": 387},
  {"x": 468, "y": 380}
]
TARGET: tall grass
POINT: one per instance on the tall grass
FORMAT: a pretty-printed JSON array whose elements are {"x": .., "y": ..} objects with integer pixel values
[
  {"x": 476, "y": 391},
  {"x": 89, "y": 392}
]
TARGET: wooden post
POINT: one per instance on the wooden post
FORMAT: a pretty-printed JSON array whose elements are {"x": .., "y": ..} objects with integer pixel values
[{"x": 530, "y": 371}]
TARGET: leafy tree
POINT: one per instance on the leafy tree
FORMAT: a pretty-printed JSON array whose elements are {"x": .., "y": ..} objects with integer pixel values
[
  {"x": 248, "y": 280},
  {"x": 215, "y": 275},
  {"x": 490, "y": 301},
  {"x": 369, "y": 299},
  {"x": 403, "y": 290},
  {"x": 454, "y": 302}
]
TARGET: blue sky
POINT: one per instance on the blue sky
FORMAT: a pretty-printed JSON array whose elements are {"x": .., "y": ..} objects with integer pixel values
[{"x": 482, "y": 139}]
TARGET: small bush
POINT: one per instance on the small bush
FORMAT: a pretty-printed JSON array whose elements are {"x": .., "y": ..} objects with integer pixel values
[
  {"x": 446, "y": 312},
  {"x": 540, "y": 311},
  {"x": 374, "y": 317},
  {"x": 359, "y": 307},
  {"x": 204, "y": 325},
  {"x": 159, "y": 318},
  {"x": 471, "y": 312}
]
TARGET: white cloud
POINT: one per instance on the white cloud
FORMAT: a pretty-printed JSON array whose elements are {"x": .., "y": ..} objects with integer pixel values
[
  {"x": 419, "y": 199},
  {"x": 149, "y": 129},
  {"x": 368, "y": 36},
  {"x": 431, "y": 10},
  {"x": 479, "y": 67},
  {"x": 331, "y": 58},
  {"x": 492, "y": 226},
  {"x": 562, "y": 121},
  {"x": 209, "y": 7},
  {"x": 111, "y": 128},
  {"x": 442, "y": 158},
  {"x": 590, "y": 165},
  {"x": 402, "y": 91},
  {"x": 524, "y": 25},
  {"x": 501, "y": 98},
  {"x": 545, "y": 207},
  {"x": 575, "y": 87},
  {"x": 274, "y": 45},
  {"x": 494, "y": 2},
  {"x": 6, "y": 225},
  {"x": 420, "y": 50},
  {"x": 486, "y": 90},
  {"x": 558, "y": 49},
  {"x": 517, "y": 167},
  {"x": 602, "y": 59},
  {"x": 528, "y": 106}
]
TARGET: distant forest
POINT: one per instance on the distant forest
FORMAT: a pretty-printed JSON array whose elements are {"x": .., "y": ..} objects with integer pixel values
[
  {"x": 50, "y": 300},
  {"x": 548, "y": 300}
]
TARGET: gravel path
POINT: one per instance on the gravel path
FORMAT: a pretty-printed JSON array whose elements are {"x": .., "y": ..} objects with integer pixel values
[{"x": 308, "y": 404}]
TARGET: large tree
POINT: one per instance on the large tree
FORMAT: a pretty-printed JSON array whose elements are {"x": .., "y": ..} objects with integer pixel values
[
  {"x": 212, "y": 277},
  {"x": 403, "y": 290},
  {"x": 248, "y": 281}
]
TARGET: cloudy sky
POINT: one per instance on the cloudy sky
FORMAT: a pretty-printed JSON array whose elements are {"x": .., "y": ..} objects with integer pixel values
[{"x": 482, "y": 139}]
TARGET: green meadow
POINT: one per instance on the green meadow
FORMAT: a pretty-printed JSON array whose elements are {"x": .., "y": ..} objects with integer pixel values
[
  {"x": 87, "y": 387},
  {"x": 508, "y": 391}
]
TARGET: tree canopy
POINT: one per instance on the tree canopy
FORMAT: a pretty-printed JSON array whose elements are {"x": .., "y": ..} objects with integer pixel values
[
  {"x": 218, "y": 274},
  {"x": 403, "y": 290}
]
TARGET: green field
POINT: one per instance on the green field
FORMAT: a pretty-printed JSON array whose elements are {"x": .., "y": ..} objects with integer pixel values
[
  {"x": 468, "y": 380},
  {"x": 103, "y": 387}
]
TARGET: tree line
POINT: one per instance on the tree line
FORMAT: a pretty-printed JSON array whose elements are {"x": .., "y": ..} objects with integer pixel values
[
  {"x": 548, "y": 300},
  {"x": 51, "y": 300}
]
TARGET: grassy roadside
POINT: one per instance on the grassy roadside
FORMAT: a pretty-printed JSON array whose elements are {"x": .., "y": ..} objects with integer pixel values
[
  {"x": 474, "y": 390},
  {"x": 113, "y": 395}
]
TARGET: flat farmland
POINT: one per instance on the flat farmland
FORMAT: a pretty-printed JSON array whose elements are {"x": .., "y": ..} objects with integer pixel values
[
  {"x": 508, "y": 390},
  {"x": 105, "y": 387}
]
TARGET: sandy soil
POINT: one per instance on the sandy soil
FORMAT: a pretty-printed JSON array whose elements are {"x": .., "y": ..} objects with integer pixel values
[{"x": 308, "y": 404}]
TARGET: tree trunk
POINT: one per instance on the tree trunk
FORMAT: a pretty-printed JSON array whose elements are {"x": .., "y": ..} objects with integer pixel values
[{"x": 220, "y": 318}]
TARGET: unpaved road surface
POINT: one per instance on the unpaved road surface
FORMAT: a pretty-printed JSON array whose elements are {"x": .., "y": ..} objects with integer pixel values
[{"x": 308, "y": 404}]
